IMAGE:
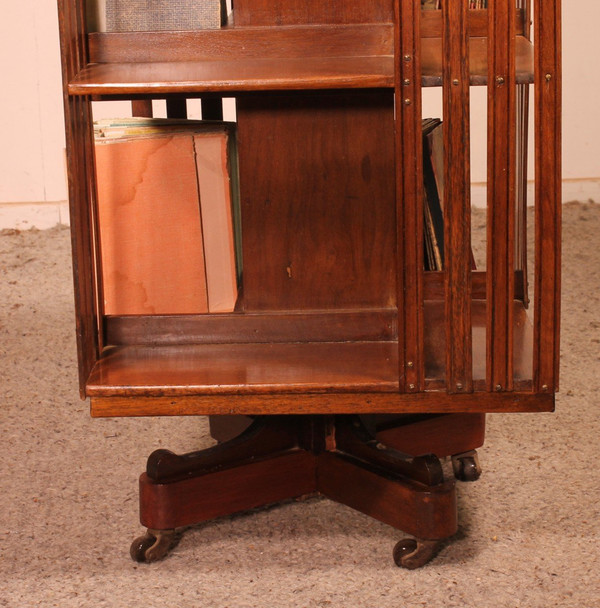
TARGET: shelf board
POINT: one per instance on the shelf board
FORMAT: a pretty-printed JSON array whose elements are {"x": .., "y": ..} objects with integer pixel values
[
  {"x": 245, "y": 368},
  {"x": 235, "y": 60},
  {"x": 183, "y": 370},
  {"x": 234, "y": 76}
]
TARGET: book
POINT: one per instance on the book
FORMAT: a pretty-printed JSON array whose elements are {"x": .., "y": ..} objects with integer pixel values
[
  {"x": 433, "y": 186},
  {"x": 161, "y": 15},
  {"x": 166, "y": 208}
]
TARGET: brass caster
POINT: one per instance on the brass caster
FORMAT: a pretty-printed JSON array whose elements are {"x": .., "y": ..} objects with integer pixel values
[
  {"x": 152, "y": 546},
  {"x": 413, "y": 553},
  {"x": 466, "y": 466}
]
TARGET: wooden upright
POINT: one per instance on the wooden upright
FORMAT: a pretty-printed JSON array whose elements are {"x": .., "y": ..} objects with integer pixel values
[{"x": 347, "y": 358}]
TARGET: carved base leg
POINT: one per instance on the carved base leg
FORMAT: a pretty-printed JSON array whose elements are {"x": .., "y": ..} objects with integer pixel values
[{"x": 406, "y": 492}]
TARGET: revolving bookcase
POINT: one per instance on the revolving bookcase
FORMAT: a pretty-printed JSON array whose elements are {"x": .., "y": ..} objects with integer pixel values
[{"x": 344, "y": 359}]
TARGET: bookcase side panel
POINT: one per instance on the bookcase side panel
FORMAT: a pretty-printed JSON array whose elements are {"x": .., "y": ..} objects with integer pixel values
[{"x": 318, "y": 201}]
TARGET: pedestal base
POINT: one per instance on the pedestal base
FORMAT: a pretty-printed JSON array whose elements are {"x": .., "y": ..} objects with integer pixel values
[{"x": 282, "y": 457}]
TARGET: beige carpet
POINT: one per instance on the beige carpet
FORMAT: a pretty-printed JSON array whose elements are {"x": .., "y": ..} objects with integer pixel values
[{"x": 68, "y": 497}]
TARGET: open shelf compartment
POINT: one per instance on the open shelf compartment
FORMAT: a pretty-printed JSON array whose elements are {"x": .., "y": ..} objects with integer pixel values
[
  {"x": 237, "y": 59},
  {"x": 169, "y": 368}
]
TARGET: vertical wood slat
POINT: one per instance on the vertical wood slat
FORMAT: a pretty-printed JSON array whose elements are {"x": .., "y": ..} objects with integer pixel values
[
  {"x": 546, "y": 28},
  {"x": 142, "y": 108},
  {"x": 78, "y": 123},
  {"x": 502, "y": 161},
  {"x": 409, "y": 195},
  {"x": 457, "y": 198}
]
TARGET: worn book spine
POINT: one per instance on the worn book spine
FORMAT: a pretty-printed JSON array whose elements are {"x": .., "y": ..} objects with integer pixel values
[
  {"x": 150, "y": 230},
  {"x": 168, "y": 211}
]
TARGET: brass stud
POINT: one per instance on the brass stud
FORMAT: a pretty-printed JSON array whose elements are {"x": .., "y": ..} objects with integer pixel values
[
  {"x": 411, "y": 387},
  {"x": 455, "y": 82},
  {"x": 407, "y": 102},
  {"x": 548, "y": 77},
  {"x": 409, "y": 364},
  {"x": 500, "y": 80},
  {"x": 459, "y": 386},
  {"x": 407, "y": 58}
]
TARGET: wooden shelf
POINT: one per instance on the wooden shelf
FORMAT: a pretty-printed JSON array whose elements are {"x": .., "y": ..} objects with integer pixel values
[
  {"x": 234, "y": 60},
  {"x": 230, "y": 77},
  {"x": 261, "y": 368},
  {"x": 245, "y": 368}
]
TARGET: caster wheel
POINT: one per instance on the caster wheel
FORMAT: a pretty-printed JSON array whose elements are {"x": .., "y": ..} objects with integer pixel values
[
  {"x": 466, "y": 466},
  {"x": 412, "y": 553},
  {"x": 152, "y": 546}
]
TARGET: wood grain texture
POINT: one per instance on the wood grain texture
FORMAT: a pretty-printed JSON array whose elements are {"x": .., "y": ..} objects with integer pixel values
[
  {"x": 440, "y": 435},
  {"x": 431, "y": 402},
  {"x": 502, "y": 163},
  {"x": 81, "y": 185},
  {"x": 170, "y": 505},
  {"x": 181, "y": 370},
  {"x": 409, "y": 196},
  {"x": 253, "y": 328},
  {"x": 324, "y": 238},
  {"x": 548, "y": 194},
  {"x": 457, "y": 199},
  {"x": 245, "y": 368},
  {"x": 239, "y": 59},
  {"x": 282, "y": 457},
  {"x": 287, "y": 12},
  {"x": 426, "y": 512},
  {"x": 243, "y": 43},
  {"x": 477, "y": 23}
]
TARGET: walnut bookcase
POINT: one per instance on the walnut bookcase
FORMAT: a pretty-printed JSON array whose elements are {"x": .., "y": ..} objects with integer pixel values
[{"x": 340, "y": 342}]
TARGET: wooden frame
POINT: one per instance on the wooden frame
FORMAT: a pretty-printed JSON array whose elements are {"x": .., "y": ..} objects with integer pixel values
[
  {"x": 338, "y": 323},
  {"x": 339, "y": 50}
]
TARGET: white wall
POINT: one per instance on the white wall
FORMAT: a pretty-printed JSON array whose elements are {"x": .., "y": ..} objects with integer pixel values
[
  {"x": 31, "y": 119},
  {"x": 32, "y": 174}
]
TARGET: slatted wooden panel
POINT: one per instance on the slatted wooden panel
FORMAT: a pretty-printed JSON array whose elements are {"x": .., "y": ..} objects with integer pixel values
[
  {"x": 546, "y": 26},
  {"x": 502, "y": 162},
  {"x": 409, "y": 199},
  {"x": 457, "y": 199},
  {"x": 78, "y": 121}
]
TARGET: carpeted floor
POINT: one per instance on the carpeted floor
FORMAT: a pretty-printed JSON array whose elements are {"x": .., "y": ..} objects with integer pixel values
[{"x": 529, "y": 528}]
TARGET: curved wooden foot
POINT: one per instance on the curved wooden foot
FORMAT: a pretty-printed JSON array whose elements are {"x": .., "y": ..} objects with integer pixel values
[
  {"x": 354, "y": 439},
  {"x": 466, "y": 466},
  {"x": 152, "y": 546},
  {"x": 413, "y": 553},
  {"x": 262, "y": 438}
]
